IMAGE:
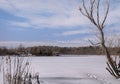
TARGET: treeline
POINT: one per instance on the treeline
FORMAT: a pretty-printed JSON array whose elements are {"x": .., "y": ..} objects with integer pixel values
[{"x": 54, "y": 50}]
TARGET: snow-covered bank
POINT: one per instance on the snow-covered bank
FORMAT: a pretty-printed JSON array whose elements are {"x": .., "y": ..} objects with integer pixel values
[
  {"x": 72, "y": 70},
  {"x": 91, "y": 68},
  {"x": 68, "y": 66}
]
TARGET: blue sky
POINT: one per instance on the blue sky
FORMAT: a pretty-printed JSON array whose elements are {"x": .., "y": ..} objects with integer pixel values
[{"x": 55, "y": 21}]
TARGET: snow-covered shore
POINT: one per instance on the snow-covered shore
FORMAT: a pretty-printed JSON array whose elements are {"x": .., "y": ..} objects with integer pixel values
[{"x": 72, "y": 70}]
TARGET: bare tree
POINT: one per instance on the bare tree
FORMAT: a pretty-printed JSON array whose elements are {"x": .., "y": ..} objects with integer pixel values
[{"x": 94, "y": 13}]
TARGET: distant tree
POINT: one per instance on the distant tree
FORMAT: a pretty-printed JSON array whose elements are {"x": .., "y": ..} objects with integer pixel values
[
  {"x": 3, "y": 51},
  {"x": 35, "y": 51},
  {"x": 93, "y": 11}
]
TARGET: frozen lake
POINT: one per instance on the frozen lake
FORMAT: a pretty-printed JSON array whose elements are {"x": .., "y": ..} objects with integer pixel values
[{"x": 72, "y": 70}]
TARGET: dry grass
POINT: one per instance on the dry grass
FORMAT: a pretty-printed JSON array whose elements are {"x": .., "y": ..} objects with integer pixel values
[{"x": 16, "y": 70}]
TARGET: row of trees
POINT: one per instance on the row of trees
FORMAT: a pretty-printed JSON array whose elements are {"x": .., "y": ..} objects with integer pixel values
[{"x": 53, "y": 50}]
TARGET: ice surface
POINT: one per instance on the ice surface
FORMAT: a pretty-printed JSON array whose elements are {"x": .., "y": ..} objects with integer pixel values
[{"x": 72, "y": 70}]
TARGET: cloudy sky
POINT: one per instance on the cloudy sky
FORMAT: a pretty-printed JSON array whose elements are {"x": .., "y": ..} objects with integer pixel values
[{"x": 51, "y": 21}]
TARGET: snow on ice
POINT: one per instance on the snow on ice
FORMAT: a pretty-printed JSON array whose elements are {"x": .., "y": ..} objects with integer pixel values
[{"x": 72, "y": 70}]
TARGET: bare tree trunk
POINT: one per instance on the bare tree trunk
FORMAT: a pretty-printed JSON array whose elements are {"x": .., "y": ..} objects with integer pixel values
[{"x": 90, "y": 12}]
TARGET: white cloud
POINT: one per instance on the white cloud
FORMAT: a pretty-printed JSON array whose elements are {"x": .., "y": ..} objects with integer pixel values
[
  {"x": 21, "y": 24},
  {"x": 114, "y": 16},
  {"x": 71, "y": 43},
  {"x": 75, "y": 32},
  {"x": 60, "y": 12},
  {"x": 52, "y": 13}
]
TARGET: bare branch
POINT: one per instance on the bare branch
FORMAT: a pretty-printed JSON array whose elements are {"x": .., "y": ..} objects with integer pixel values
[
  {"x": 82, "y": 12},
  {"x": 111, "y": 70},
  {"x": 86, "y": 11},
  {"x": 93, "y": 43},
  {"x": 92, "y": 7},
  {"x": 98, "y": 20},
  {"x": 106, "y": 14}
]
